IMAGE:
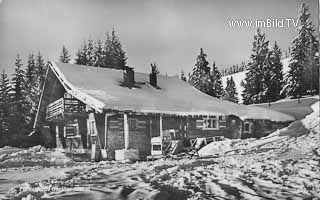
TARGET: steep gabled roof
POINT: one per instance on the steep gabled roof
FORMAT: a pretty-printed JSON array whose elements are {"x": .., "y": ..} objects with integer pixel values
[{"x": 101, "y": 89}]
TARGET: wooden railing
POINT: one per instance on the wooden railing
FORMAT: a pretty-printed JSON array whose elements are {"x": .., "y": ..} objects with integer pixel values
[
  {"x": 55, "y": 108},
  {"x": 64, "y": 106}
]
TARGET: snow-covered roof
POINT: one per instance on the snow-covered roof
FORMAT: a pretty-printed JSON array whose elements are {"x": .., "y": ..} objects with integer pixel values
[{"x": 101, "y": 89}]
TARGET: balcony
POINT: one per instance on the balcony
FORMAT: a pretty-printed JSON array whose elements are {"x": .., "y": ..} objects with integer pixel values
[{"x": 65, "y": 108}]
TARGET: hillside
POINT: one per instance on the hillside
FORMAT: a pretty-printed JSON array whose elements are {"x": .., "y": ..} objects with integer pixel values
[{"x": 294, "y": 107}]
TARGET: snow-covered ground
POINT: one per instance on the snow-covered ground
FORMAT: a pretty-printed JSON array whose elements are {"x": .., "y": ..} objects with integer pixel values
[
  {"x": 284, "y": 165},
  {"x": 240, "y": 76}
]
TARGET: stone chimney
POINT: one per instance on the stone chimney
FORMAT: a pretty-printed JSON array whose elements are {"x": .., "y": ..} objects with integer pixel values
[
  {"x": 153, "y": 75},
  {"x": 128, "y": 77}
]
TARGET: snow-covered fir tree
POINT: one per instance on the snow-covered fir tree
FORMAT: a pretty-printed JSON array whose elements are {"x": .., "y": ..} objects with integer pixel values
[
  {"x": 20, "y": 108},
  {"x": 254, "y": 80},
  {"x": 98, "y": 54},
  {"x": 90, "y": 53},
  {"x": 182, "y": 76},
  {"x": 65, "y": 57},
  {"x": 31, "y": 69},
  {"x": 215, "y": 82},
  {"x": 230, "y": 91},
  {"x": 5, "y": 105},
  {"x": 114, "y": 55},
  {"x": 107, "y": 55},
  {"x": 32, "y": 88},
  {"x": 273, "y": 75},
  {"x": 81, "y": 56},
  {"x": 200, "y": 77},
  {"x": 303, "y": 75},
  {"x": 41, "y": 69}
]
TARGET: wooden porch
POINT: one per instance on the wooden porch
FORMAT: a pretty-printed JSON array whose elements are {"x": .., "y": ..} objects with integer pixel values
[{"x": 65, "y": 108}]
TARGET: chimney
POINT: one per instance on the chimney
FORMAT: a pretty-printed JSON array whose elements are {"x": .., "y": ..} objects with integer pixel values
[
  {"x": 128, "y": 77},
  {"x": 153, "y": 79},
  {"x": 153, "y": 75}
]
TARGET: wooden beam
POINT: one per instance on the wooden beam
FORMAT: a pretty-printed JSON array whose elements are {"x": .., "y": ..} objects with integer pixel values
[
  {"x": 161, "y": 132},
  {"x": 105, "y": 130},
  {"x": 126, "y": 131}
]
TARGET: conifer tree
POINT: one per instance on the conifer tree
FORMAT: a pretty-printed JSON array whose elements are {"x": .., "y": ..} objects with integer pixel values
[
  {"x": 65, "y": 56},
  {"x": 303, "y": 75},
  {"x": 31, "y": 70},
  {"x": 5, "y": 105},
  {"x": 230, "y": 92},
  {"x": 183, "y": 77},
  {"x": 114, "y": 55},
  {"x": 40, "y": 71},
  {"x": 90, "y": 53},
  {"x": 98, "y": 54},
  {"x": 254, "y": 81},
  {"x": 32, "y": 88},
  {"x": 215, "y": 82},
  {"x": 81, "y": 57},
  {"x": 201, "y": 74},
  {"x": 273, "y": 75},
  {"x": 19, "y": 111}
]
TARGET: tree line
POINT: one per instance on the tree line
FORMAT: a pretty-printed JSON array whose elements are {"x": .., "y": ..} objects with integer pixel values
[
  {"x": 265, "y": 81},
  {"x": 19, "y": 98},
  {"x": 20, "y": 94}
]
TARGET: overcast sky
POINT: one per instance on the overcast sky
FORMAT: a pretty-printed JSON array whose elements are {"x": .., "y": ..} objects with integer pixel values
[{"x": 168, "y": 32}]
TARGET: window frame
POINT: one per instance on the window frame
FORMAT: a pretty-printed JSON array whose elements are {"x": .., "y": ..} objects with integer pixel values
[
  {"x": 203, "y": 123},
  {"x": 250, "y": 127},
  {"x": 212, "y": 119}
]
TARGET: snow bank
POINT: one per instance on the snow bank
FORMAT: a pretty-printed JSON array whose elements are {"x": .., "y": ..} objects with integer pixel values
[
  {"x": 215, "y": 147},
  {"x": 33, "y": 156}
]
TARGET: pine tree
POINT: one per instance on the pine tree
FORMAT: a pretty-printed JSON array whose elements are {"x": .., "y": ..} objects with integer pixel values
[
  {"x": 65, "y": 56},
  {"x": 182, "y": 76},
  {"x": 215, "y": 82},
  {"x": 32, "y": 88},
  {"x": 230, "y": 92},
  {"x": 303, "y": 75},
  {"x": 201, "y": 74},
  {"x": 31, "y": 69},
  {"x": 273, "y": 75},
  {"x": 40, "y": 71},
  {"x": 254, "y": 81},
  {"x": 5, "y": 105},
  {"x": 114, "y": 55},
  {"x": 19, "y": 112},
  {"x": 98, "y": 54},
  {"x": 90, "y": 53},
  {"x": 81, "y": 57}
]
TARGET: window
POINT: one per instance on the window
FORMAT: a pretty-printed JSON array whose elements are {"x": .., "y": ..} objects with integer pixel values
[
  {"x": 70, "y": 131},
  {"x": 210, "y": 123},
  {"x": 156, "y": 147},
  {"x": 200, "y": 123},
  {"x": 247, "y": 127}
]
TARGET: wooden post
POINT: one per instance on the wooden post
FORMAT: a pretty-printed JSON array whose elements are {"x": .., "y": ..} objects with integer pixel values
[
  {"x": 58, "y": 140},
  {"x": 105, "y": 130},
  {"x": 161, "y": 133},
  {"x": 126, "y": 131}
]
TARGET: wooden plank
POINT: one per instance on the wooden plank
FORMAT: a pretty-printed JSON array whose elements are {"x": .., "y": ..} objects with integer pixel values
[{"x": 126, "y": 131}]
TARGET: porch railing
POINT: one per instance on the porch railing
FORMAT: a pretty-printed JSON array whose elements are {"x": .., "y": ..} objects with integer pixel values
[{"x": 64, "y": 106}]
